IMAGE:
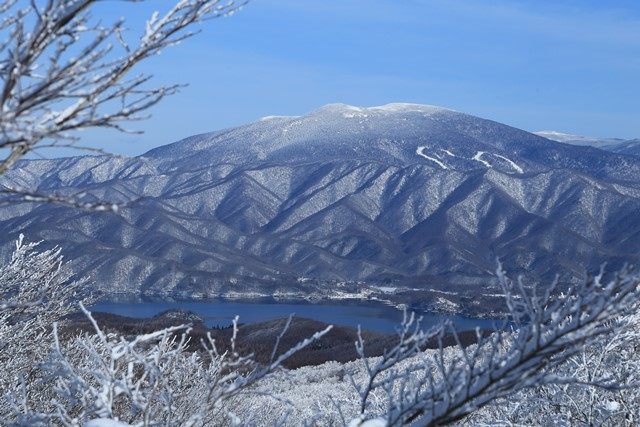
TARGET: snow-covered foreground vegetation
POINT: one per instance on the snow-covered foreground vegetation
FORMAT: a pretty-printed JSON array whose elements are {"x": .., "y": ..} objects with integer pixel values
[
  {"x": 326, "y": 393},
  {"x": 570, "y": 359}
]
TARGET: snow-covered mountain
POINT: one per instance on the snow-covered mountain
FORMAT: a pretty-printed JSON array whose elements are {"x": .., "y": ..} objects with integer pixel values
[
  {"x": 617, "y": 145},
  {"x": 631, "y": 146},
  {"x": 398, "y": 195}
]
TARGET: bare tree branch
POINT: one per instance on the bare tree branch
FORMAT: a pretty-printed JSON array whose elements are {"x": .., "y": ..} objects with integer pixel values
[
  {"x": 551, "y": 330},
  {"x": 62, "y": 71}
]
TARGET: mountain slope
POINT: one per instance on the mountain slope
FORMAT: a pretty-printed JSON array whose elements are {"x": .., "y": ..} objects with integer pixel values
[{"x": 403, "y": 195}]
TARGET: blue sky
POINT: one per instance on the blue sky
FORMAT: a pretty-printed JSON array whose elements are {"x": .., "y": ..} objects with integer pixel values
[{"x": 571, "y": 66}]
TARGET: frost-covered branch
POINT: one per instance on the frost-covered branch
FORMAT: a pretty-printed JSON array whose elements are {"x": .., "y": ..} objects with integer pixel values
[
  {"x": 62, "y": 70},
  {"x": 610, "y": 360},
  {"x": 411, "y": 339},
  {"x": 146, "y": 380},
  {"x": 550, "y": 331},
  {"x": 234, "y": 373},
  {"x": 36, "y": 289}
]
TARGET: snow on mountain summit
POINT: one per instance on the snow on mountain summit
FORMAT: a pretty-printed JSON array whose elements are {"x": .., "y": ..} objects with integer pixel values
[
  {"x": 559, "y": 136},
  {"x": 409, "y": 107},
  {"x": 394, "y": 107},
  {"x": 413, "y": 194},
  {"x": 399, "y": 134},
  {"x": 393, "y": 133},
  {"x": 267, "y": 118}
]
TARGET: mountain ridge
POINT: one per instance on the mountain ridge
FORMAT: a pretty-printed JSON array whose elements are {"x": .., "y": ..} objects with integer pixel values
[
  {"x": 616, "y": 145},
  {"x": 406, "y": 196}
]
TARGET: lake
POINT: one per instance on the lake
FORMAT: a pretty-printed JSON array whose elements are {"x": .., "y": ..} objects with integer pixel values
[{"x": 375, "y": 317}]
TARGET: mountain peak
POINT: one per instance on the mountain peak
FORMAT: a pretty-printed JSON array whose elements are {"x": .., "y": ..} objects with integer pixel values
[
  {"x": 409, "y": 107},
  {"x": 394, "y": 107},
  {"x": 403, "y": 193},
  {"x": 398, "y": 134}
]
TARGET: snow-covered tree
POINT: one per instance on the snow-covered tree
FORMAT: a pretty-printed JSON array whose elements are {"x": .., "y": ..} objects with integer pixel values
[
  {"x": 36, "y": 289},
  {"x": 563, "y": 358},
  {"x": 548, "y": 331},
  {"x": 612, "y": 358},
  {"x": 146, "y": 380},
  {"x": 142, "y": 380},
  {"x": 63, "y": 70}
]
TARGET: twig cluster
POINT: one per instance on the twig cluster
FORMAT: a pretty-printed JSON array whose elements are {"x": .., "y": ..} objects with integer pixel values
[
  {"x": 63, "y": 70},
  {"x": 575, "y": 351},
  {"x": 545, "y": 332}
]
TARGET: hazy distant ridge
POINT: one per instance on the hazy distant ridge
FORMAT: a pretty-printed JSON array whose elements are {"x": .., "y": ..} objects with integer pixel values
[{"x": 616, "y": 145}]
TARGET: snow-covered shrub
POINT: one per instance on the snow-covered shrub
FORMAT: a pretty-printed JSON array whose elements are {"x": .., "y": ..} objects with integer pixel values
[
  {"x": 611, "y": 359},
  {"x": 563, "y": 359},
  {"x": 153, "y": 379},
  {"x": 36, "y": 289},
  {"x": 549, "y": 332}
]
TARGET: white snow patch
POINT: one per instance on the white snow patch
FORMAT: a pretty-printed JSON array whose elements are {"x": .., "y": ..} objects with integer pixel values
[
  {"x": 479, "y": 154},
  {"x": 448, "y": 153},
  {"x": 267, "y": 118},
  {"x": 478, "y": 157},
  {"x": 611, "y": 405},
  {"x": 420, "y": 152},
  {"x": 511, "y": 162},
  {"x": 375, "y": 422},
  {"x": 408, "y": 107},
  {"x": 441, "y": 292},
  {"x": 354, "y": 114},
  {"x": 446, "y": 304}
]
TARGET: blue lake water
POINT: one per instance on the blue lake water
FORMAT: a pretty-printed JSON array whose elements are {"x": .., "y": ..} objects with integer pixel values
[{"x": 373, "y": 317}]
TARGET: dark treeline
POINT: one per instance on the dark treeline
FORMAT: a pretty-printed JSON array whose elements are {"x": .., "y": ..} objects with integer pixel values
[{"x": 256, "y": 338}]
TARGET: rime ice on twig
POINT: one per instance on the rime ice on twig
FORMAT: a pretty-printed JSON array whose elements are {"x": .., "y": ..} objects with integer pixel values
[
  {"x": 576, "y": 350},
  {"x": 551, "y": 330},
  {"x": 63, "y": 71},
  {"x": 36, "y": 289}
]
